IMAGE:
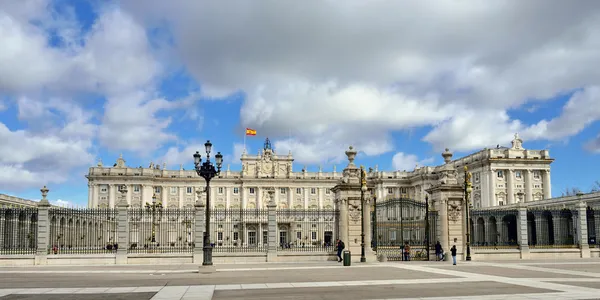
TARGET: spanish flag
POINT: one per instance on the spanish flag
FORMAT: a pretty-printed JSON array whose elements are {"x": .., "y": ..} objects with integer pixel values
[{"x": 250, "y": 131}]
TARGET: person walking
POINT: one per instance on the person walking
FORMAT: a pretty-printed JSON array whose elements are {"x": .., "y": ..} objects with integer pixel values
[
  {"x": 439, "y": 252},
  {"x": 453, "y": 250},
  {"x": 340, "y": 246}
]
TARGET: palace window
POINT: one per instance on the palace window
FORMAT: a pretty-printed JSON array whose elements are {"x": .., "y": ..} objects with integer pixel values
[
  {"x": 235, "y": 236},
  {"x": 219, "y": 236},
  {"x": 536, "y": 174},
  {"x": 313, "y": 191},
  {"x": 518, "y": 174},
  {"x": 390, "y": 190},
  {"x": 136, "y": 188},
  {"x": 236, "y": 190},
  {"x": 536, "y": 186},
  {"x": 500, "y": 174},
  {"x": 157, "y": 189},
  {"x": 189, "y": 190},
  {"x": 103, "y": 188},
  {"x": 173, "y": 190},
  {"x": 251, "y": 191},
  {"x": 298, "y": 191},
  {"x": 299, "y": 235},
  {"x": 314, "y": 236},
  {"x": 327, "y": 191},
  {"x": 220, "y": 190},
  {"x": 282, "y": 191},
  {"x": 476, "y": 176}
]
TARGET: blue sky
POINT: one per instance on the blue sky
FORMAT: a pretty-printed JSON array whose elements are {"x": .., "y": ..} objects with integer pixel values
[{"x": 82, "y": 81}]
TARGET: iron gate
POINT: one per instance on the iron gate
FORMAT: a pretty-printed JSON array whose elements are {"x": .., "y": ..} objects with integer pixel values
[{"x": 397, "y": 222}]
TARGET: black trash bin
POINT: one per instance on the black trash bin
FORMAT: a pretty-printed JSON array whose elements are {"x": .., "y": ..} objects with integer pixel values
[{"x": 347, "y": 258}]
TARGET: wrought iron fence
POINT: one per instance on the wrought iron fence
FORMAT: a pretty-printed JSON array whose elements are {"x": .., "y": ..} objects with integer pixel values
[
  {"x": 18, "y": 230},
  {"x": 593, "y": 225},
  {"x": 239, "y": 230},
  {"x": 82, "y": 231},
  {"x": 494, "y": 228},
  {"x": 169, "y": 230},
  {"x": 307, "y": 230},
  {"x": 552, "y": 227}
]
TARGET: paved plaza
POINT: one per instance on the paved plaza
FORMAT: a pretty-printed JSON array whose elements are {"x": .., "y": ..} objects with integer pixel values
[{"x": 578, "y": 279}]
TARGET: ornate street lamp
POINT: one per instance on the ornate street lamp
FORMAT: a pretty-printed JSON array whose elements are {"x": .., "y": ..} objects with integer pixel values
[
  {"x": 153, "y": 208},
  {"x": 363, "y": 190},
  {"x": 374, "y": 238},
  {"x": 207, "y": 171},
  {"x": 427, "y": 237},
  {"x": 468, "y": 190}
]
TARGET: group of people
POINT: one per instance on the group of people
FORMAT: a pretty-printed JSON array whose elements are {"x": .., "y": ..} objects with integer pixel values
[{"x": 439, "y": 251}]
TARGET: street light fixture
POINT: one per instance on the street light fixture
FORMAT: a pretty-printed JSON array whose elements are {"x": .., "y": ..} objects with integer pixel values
[
  {"x": 153, "y": 208},
  {"x": 468, "y": 190},
  {"x": 363, "y": 190},
  {"x": 207, "y": 171}
]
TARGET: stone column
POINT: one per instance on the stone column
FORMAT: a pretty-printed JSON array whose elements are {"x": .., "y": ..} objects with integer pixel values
[
  {"x": 492, "y": 188},
  {"x": 111, "y": 195},
  {"x": 443, "y": 224},
  {"x": 510, "y": 186},
  {"x": 244, "y": 197},
  {"x": 528, "y": 185},
  {"x": 122, "y": 231},
  {"x": 90, "y": 195},
  {"x": 290, "y": 197},
  {"x": 165, "y": 191},
  {"x": 182, "y": 191},
  {"x": 547, "y": 185},
  {"x": 343, "y": 220},
  {"x": 583, "y": 230},
  {"x": 367, "y": 222},
  {"x": 272, "y": 227},
  {"x": 259, "y": 205},
  {"x": 43, "y": 238},
  {"x": 522, "y": 236},
  {"x": 199, "y": 219}
]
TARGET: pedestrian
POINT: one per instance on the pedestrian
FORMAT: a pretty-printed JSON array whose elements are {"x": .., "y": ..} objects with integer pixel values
[
  {"x": 340, "y": 246},
  {"x": 406, "y": 252},
  {"x": 453, "y": 250},
  {"x": 439, "y": 251}
]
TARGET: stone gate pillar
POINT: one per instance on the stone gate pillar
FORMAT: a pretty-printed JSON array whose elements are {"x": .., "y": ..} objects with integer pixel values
[
  {"x": 447, "y": 197},
  {"x": 348, "y": 199}
]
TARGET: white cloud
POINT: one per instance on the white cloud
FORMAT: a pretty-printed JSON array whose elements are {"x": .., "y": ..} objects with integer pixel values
[
  {"x": 593, "y": 145},
  {"x": 62, "y": 203},
  {"x": 354, "y": 71},
  {"x": 408, "y": 162}
]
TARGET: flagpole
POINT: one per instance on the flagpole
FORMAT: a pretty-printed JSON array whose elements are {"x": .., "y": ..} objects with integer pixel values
[{"x": 245, "y": 133}]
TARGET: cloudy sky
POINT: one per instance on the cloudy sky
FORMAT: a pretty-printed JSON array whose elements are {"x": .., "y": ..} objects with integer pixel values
[{"x": 400, "y": 80}]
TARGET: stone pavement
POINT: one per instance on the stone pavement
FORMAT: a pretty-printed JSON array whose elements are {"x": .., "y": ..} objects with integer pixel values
[{"x": 578, "y": 279}]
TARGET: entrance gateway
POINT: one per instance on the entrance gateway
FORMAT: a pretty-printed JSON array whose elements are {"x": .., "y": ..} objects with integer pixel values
[{"x": 397, "y": 222}]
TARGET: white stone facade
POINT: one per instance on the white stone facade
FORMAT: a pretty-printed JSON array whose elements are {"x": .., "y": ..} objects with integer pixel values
[{"x": 500, "y": 176}]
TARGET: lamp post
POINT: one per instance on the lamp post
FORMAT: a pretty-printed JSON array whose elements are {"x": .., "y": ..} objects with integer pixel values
[
  {"x": 207, "y": 171},
  {"x": 427, "y": 237},
  {"x": 468, "y": 190},
  {"x": 374, "y": 221},
  {"x": 363, "y": 190},
  {"x": 153, "y": 208}
]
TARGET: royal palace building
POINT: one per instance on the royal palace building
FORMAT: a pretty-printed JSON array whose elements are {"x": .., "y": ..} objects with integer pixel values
[{"x": 502, "y": 175}]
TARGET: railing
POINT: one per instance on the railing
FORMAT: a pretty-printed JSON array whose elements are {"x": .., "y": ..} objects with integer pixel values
[
  {"x": 552, "y": 227},
  {"x": 18, "y": 230},
  {"x": 82, "y": 231},
  {"x": 168, "y": 230},
  {"x": 494, "y": 228},
  {"x": 307, "y": 230},
  {"x": 239, "y": 230}
]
